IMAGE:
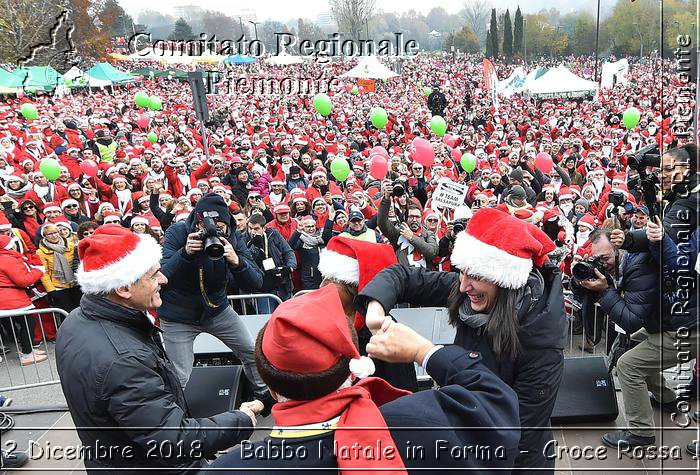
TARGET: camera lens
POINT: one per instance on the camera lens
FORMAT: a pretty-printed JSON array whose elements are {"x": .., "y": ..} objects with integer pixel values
[
  {"x": 213, "y": 248},
  {"x": 582, "y": 271}
]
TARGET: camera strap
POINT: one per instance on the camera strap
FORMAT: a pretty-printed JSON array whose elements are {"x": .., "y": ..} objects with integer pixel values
[{"x": 203, "y": 291}]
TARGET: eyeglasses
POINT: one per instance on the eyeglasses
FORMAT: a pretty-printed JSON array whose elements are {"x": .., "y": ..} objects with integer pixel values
[
  {"x": 88, "y": 233},
  {"x": 432, "y": 220},
  {"x": 24, "y": 208},
  {"x": 55, "y": 233},
  {"x": 71, "y": 206}
]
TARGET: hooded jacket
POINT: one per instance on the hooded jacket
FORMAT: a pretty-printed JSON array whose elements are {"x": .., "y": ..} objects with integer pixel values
[{"x": 188, "y": 276}]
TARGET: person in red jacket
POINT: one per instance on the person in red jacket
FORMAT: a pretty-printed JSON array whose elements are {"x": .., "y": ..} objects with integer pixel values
[{"x": 17, "y": 273}]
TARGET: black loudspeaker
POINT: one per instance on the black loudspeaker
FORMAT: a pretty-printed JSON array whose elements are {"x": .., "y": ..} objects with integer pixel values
[
  {"x": 586, "y": 393},
  {"x": 214, "y": 389}
]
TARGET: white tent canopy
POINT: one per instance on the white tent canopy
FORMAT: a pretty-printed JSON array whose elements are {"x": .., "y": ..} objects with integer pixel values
[
  {"x": 369, "y": 67},
  {"x": 560, "y": 82},
  {"x": 284, "y": 59},
  {"x": 614, "y": 73},
  {"x": 73, "y": 73}
]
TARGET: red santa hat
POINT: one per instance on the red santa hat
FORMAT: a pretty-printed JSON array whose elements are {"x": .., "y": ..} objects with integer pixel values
[
  {"x": 565, "y": 193},
  {"x": 114, "y": 257},
  {"x": 4, "y": 223},
  {"x": 111, "y": 217},
  {"x": 51, "y": 207},
  {"x": 587, "y": 220},
  {"x": 282, "y": 208},
  {"x": 296, "y": 341},
  {"x": 500, "y": 248},
  {"x": 139, "y": 220},
  {"x": 69, "y": 202},
  {"x": 354, "y": 262},
  {"x": 61, "y": 221},
  {"x": 180, "y": 215}
]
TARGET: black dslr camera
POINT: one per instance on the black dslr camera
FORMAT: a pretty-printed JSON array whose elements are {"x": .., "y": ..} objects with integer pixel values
[
  {"x": 213, "y": 247},
  {"x": 616, "y": 198},
  {"x": 399, "y": 188},
  {"x": 458, "y": 226},
  {"x": 585, "y": 269}
]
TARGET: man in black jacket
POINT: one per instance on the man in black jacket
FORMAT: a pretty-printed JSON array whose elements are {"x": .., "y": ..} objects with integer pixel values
[
  {"x": 121, "y": 388},
  {"x": 195, "y": 299}
]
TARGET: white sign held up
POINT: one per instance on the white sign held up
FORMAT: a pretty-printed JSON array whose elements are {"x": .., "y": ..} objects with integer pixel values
[{"x": 449, "y": 194}]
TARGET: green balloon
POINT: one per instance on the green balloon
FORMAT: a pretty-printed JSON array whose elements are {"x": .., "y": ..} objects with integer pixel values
[
  {"x": 141, "y": 99},
  {"x": 50, "y": 169},
  {"x": 355, "y": 90},
  {"x": 152, "y": 137},
  {"x": 468, "y": 162},
  {"x": 323, "y": 104},
  {"x": 631, "y": 117},
  {"x": 340, "y": 168},
  {"x": 29, "y": 111},
  {"x": 154, "y": 103},
  {"x": 379, "y": 117},
  {"x": 427, "y": 90},
  {"x": 30, "y": 89},
  {"x": 439, "y": 126}
]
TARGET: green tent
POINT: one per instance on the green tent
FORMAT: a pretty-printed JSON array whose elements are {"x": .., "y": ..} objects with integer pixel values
[
  {"x": 40, "y": 78},
  {"x": 175, "y": 73},
  {"x": 104, "y": 74},
  {"x": 9, "y": 83},
  {"x": 146, "y": 72}
]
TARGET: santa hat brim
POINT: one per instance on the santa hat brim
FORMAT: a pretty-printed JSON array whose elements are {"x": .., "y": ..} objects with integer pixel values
[
  {"x": 485, "y": 261},
  {"x": 123, "y": 272},
  {"x": 338, "y": 267}
]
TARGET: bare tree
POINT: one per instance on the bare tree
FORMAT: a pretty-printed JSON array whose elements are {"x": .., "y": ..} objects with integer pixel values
[
  {"x": 476, "y": 14},
  {"x": 352, "y": 15},
  {"x": 25, "y": 25}
]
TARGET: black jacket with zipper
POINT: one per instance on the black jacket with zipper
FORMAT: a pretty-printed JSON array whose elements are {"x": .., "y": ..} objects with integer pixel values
[{"x": 123, "y": 394}]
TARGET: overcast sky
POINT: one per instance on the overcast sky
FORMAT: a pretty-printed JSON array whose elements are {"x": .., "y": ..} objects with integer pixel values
[{"x": 284, "y": 10}]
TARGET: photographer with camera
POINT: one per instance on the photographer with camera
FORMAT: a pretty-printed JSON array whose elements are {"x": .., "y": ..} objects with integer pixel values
[
  {"x": 460, "y": 218},
  {"x": 632, "y": 302},
  {"x": 413, "y": 244},
  {"x": 200, "y": 256},
  {"x": 272, "y": 253}
]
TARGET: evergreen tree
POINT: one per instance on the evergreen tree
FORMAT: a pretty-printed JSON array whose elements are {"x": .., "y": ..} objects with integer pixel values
[
  {"x": 494, "y": 33},
  {"x": 518, "y": 32},
  {"x": 181, "y": 31},
  {"x": 507, "y": 36},
  {"x": 489, "y": 45}
]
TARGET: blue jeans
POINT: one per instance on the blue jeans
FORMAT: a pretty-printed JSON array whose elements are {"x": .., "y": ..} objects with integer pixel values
[{"x": 227, "y": 327}]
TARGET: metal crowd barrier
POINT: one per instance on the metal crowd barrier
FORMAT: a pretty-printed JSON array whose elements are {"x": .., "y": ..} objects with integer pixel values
[
  {"x": 583, "y": 345},
  {"x": 13, "y": 375},
  {"x": 245, "y": 300}
]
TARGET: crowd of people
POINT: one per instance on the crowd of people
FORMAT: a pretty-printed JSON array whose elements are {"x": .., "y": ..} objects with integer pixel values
[{"x": 264, "y": 188}]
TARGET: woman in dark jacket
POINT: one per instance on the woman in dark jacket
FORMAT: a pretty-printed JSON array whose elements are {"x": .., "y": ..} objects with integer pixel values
[
  {"x": 506, "y": 303},
  {"x": 309, "y": 241}
]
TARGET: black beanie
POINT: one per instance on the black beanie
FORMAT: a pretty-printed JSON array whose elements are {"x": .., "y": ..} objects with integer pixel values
[
  {"x": 213, "y": 202},
  {"x": 516, "y": 174},
  {"x": 516, "y": 191}
]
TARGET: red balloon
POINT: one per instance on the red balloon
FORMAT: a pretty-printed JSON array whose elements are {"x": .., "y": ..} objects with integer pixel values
[
  {"x": 449, "y": 140},
  {"x": 89, "y": 168},
  {"x": 456, "y": 155},
  {"x": 143, "y": 121},
  {"x": 379, "y": 150},
  {"x": 422, "y": 152},
  {"x": 543, "y": 162},
  {"x": 379, "y": 167}
]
